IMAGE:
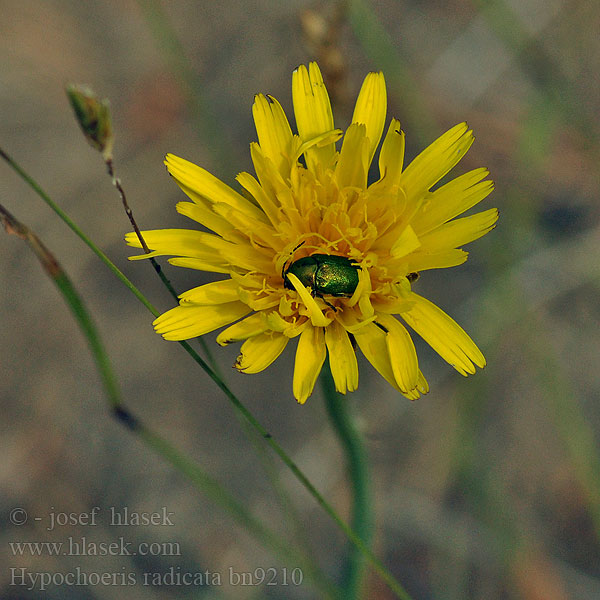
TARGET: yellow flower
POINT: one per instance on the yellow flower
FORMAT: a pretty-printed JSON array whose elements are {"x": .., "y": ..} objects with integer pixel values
[{"x": 310, "y": 198}]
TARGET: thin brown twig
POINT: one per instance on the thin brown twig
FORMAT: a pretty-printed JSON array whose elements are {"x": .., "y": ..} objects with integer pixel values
[{"x": 117, "y": 183}]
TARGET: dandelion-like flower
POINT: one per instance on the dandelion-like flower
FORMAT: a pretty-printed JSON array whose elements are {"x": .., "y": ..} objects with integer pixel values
[{"x": 311, "y": 251}]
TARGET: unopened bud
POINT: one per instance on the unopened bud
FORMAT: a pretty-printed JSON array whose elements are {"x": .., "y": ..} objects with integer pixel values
[{"x": 93, "y": 115}]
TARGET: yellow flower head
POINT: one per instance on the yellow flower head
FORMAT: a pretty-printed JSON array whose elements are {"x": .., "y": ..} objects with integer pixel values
[{"x": 311, "y": 199}]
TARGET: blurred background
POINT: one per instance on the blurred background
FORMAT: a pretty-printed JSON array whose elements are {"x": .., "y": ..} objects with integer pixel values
[{"x": 486, "y": 488}]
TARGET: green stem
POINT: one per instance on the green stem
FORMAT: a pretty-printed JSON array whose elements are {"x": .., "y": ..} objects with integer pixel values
[{"x": 358, "y": 473}]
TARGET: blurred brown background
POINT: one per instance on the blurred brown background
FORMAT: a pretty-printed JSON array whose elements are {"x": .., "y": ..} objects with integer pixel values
[{"x": 487, "y": 488}]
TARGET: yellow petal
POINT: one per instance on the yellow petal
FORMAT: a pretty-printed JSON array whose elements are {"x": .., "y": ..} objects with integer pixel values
[
  {"x": 216, "y": 292},
  {"x": 310, "y": 357},
  {"x": 312, "y": 109},
  {"x": 266, "y": 202},
  {"x": 342, "y": 358},
  {"x": 250, "y": 231},
  {"x": 452, "y": 199},
  {"x": 211, "y": 263},
  {"x": 247, "y": 257},
  {"x": 246, "y": 328},
  {"x": 403, "y": 356},
  {"x": 204, "y": 215},
  {"x": 392, "y": 305},
  {"x": 257, "y": 353},
  {"x": 208, "y": 186},
  {"x": 406, "y": 243},
  {"x": 371, "y": 108},
  {"x": 460, "y": 231},
  {"x": 186, "y": 322},
  {"x": 270, "y": 179},
  {"x": 372, "y": 342},
  {"x": 274, "y": 132},
  {"x": 180, "y": 242},
  {"x": 353, "y": 165},
  {"x": 365, "y": 306},
  {"x": 435, "y": 161},
  {"x": 391, "y": 157},
  {"x": 289, "y": 329},
  {"x": 422, "y": 388},
  {"x": 276, "y": 190},
  {"x": 329, "y": 137},
  {"x": 422, "y": 261},
  {"x": 422, "y": 384},
  {"x": 317, "y": 317},
  {"x": 362, "y": 289},
  {"x": 444, "y": 335},
  {"x": 258, "y": 301}
]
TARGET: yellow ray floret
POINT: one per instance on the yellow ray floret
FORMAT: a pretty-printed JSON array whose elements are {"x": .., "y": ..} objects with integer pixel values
[
  {"x": 312, "y": 109},
  {"x": 342, "y": 358},
  {"x": 370, "y": 109},
  {"x": 274, "y": 132},
  {"x": 310, "y": 356},
  {"x": 259, "y": 352},
  {"x": 185, "y": 322},
  {"x": 312, "y": 250},
  {"x": 444, "y": 335}
]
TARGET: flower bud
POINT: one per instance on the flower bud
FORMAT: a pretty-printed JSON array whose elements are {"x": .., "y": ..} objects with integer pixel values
[{"x": 93, "y": 116}]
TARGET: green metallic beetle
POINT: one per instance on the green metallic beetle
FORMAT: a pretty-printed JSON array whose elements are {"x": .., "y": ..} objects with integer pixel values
[{"x": 324, "y": 274}]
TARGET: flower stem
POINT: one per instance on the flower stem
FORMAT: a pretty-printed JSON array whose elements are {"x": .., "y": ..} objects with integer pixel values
[{"x": 358, "y": 473}]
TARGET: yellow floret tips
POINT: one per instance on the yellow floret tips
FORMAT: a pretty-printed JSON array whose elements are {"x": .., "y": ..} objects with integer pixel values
[{"x": 312, "y": 252}]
